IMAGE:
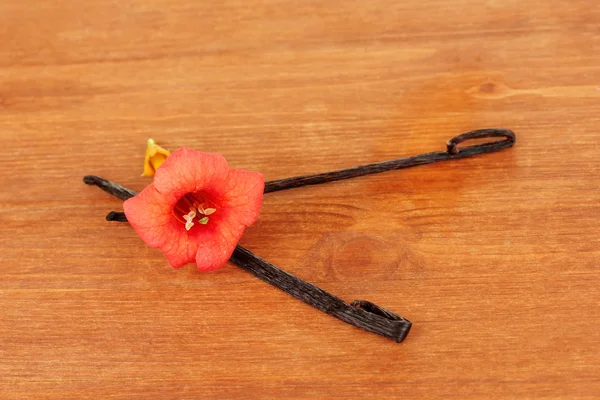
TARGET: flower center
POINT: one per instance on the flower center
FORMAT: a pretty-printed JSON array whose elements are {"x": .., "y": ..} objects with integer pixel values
[{"x": 193, "y": 205}]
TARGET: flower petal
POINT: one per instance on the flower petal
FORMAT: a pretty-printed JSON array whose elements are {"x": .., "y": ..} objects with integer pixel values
[
  {"x": 215, "y": 249},
  {"x": 187, "y": 171},
  {"x": 242, "y": 195},
  {"x": 149, "y": 213},
  {"x": 155, "y": 156},
  {"x": 181, "y": 248}
]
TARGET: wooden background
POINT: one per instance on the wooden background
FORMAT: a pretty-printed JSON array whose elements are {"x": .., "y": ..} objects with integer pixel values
[{"x": 495, "y": 259}]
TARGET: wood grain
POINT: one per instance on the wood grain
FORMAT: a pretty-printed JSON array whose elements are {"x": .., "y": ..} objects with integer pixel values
[{"x": 495, "y": 259}]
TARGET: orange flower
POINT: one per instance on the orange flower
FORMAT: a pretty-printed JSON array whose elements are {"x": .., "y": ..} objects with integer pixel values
[
  {"x": 196, "y": 209},
  {"x": 155, "y": 156}
]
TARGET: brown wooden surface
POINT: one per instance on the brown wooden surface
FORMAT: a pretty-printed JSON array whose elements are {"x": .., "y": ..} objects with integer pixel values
[{"x": 495, "y": 259}]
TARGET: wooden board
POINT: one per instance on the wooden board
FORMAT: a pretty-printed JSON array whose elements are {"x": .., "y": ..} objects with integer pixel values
[{"x": 495, "y": 259}]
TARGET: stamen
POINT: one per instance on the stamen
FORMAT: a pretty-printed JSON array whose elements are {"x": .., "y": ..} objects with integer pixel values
[
  {"x": 188, "y": 225},
  {"x": 196, "y": 210},
  {"x": 188, "y": 218}
]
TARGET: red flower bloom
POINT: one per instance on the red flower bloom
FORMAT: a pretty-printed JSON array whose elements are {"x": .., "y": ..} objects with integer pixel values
[{"x": 196, "y": 209}]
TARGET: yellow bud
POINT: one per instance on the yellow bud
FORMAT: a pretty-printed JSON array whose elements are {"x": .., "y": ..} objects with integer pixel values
[{"x": 155, "y": 156}]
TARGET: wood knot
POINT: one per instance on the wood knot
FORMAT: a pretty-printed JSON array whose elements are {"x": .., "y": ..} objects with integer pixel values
[
  {"x": 352, "y": 256},
  {"x": 491, "y": 90},
  {"x": 362, "y": 257},
  {"x": 488, "y": 87}
]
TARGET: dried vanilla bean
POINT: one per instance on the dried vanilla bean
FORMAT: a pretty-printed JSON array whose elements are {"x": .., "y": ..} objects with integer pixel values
[
  {"x": 452, "y": 153},
  {"x": 360, "y": 313},
  {"x": 109, "y": 187}
]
